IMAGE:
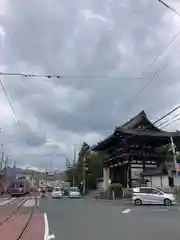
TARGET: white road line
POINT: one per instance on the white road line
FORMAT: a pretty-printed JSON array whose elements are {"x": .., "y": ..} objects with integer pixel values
[
  {"x": 29, "y": 203},
  {"x": 38, "y": 202},
  {"x": 159, "y": 210},
  {"x": 12, "y": 200},
  {"x": 52, "y": 236},
  {"x": 6, "y": 202},
  {"x": 127, "y": 210},
  {"x": 46, "y": 231},
  {"x": 3, "y": 199}
]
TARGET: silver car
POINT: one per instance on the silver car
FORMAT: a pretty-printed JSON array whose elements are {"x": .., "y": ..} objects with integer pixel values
[
  {"x": 74, "y": 192},
  {"x": 147, "y": 195},
  {"x": 57, "y": 193}
]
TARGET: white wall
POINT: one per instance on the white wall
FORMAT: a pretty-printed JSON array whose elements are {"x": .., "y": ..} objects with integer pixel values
[
  {"x": 177, "y": 180},
  {"x": 158, "y": 181}
]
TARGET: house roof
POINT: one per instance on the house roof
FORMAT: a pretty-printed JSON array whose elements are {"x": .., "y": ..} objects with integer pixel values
[
  {"x": 148, "y": 133},
  {"x": 140, "y": 119},
  {"x": 139, "y": 125}
]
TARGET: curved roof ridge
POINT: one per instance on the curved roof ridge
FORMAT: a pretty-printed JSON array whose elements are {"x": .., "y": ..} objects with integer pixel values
[
  {"x": 133, "y": 119},
  {"x": 137, "y": 120}
]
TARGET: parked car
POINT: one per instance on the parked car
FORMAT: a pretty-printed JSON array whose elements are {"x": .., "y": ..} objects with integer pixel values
[
  {"x": 57, "y": 192},
  {"x": 74, "y": 192},
  {"x": 49, "y": 188},
  {"x": 65, "y": 191},
  {"x": 148, "y": 195}
]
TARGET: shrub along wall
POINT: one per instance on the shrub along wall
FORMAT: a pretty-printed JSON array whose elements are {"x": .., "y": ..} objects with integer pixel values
[{"x": 114, "y": 191}]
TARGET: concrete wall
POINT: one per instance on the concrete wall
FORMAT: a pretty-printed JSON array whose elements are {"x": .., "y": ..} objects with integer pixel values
[{"x": 100, "y": 185}]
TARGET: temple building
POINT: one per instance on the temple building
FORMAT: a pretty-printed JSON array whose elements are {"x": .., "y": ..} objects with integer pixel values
[{"x": 133, "y": 159}]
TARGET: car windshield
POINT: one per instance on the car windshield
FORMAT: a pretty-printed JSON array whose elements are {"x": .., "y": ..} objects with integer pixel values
[
  {"x": 160, "y": 191},
  {"x": 57, "y": 189},
  {"x": 74, "y": 189}
]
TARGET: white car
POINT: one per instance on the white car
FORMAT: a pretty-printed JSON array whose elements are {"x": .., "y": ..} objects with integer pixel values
[
  {"x": 74, "y": 192},
  {"x": 148, "y": 195},
  {"x": 57, "y": 193}
]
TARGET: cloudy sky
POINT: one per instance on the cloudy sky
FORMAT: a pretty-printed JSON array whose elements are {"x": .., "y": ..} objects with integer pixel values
[{"x": 101, "y": 41}]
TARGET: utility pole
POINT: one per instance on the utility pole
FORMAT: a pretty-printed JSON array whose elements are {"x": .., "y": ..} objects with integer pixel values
[
  {"x": 1, "y": 162},
  {"x": 5, "y": 167},
  {"x": 174, "y": 156},
  {"x": 74, "y": 166},
  {"x": 46, "y": 173},
  {"x": 84, "y": 151},
  {"x": 84, "y": 175}
]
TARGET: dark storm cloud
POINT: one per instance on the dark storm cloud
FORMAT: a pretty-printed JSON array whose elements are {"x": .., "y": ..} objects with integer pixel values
[{"x": 88, "y": 38}]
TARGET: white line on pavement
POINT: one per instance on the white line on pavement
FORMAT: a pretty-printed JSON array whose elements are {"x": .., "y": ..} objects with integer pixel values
[
  {"x": 29, "y": 203},
  {"x": 3, "y": 199},
  {"x": 46, "y": 232},
  {"x": 52, "y": 236},
  {"x": 159, "y": 210},
  {"x": 127, "y": 210},
  {"x": 6, "y": 202}
]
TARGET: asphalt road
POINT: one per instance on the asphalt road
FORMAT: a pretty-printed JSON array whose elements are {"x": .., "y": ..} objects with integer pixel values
[{"x": 88, "y": 219}]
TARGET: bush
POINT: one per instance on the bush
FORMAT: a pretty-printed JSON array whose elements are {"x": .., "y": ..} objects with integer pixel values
[{"x": 116, "y": 190}]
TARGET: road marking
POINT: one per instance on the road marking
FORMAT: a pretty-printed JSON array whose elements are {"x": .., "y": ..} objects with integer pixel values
[
  {"x": 46, "y": 231},
  {"x": 38, "y": 202},
  {"x": 29, "y": 203},
  {"x": 127, "y": 210},
  {"x": 3, "y": 199},
  {"x": 52, "y": 236},
  {"x": 6, "y": 202},
  {"x": 159, "y": 210}
]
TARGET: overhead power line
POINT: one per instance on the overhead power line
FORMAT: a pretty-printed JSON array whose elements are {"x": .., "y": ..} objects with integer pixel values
[
  {"x": 167, "y": 114},
  {"x": 168, "y": 6},
  {"x": 150, "y": 65},
  {"x": 167, "y": 121},
  {"x": 151, "y": 79},
  {"x": 39, "y": 154},
  {"x": 106, "y": 77},
  {"x": 9, "y": 101},
  {"x": 26, "y": 75},
  {"x": 175, "y": 120}
]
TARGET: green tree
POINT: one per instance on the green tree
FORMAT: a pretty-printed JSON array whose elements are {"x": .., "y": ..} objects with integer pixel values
[
  {"x": 95, "y": 168},
  {"x": 168, "y": 156},
  {"x": 89, "y": 165},
  {"x": 75, "y": 172}
]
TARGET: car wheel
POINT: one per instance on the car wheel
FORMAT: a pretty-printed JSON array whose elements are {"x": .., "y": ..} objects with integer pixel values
[
  {"x": 167, "y": 202},
  {"x": 138, "y": 202}
]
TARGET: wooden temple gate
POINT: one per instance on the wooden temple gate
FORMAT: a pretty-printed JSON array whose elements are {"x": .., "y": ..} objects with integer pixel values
[{"x": 132, "y": 149}]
